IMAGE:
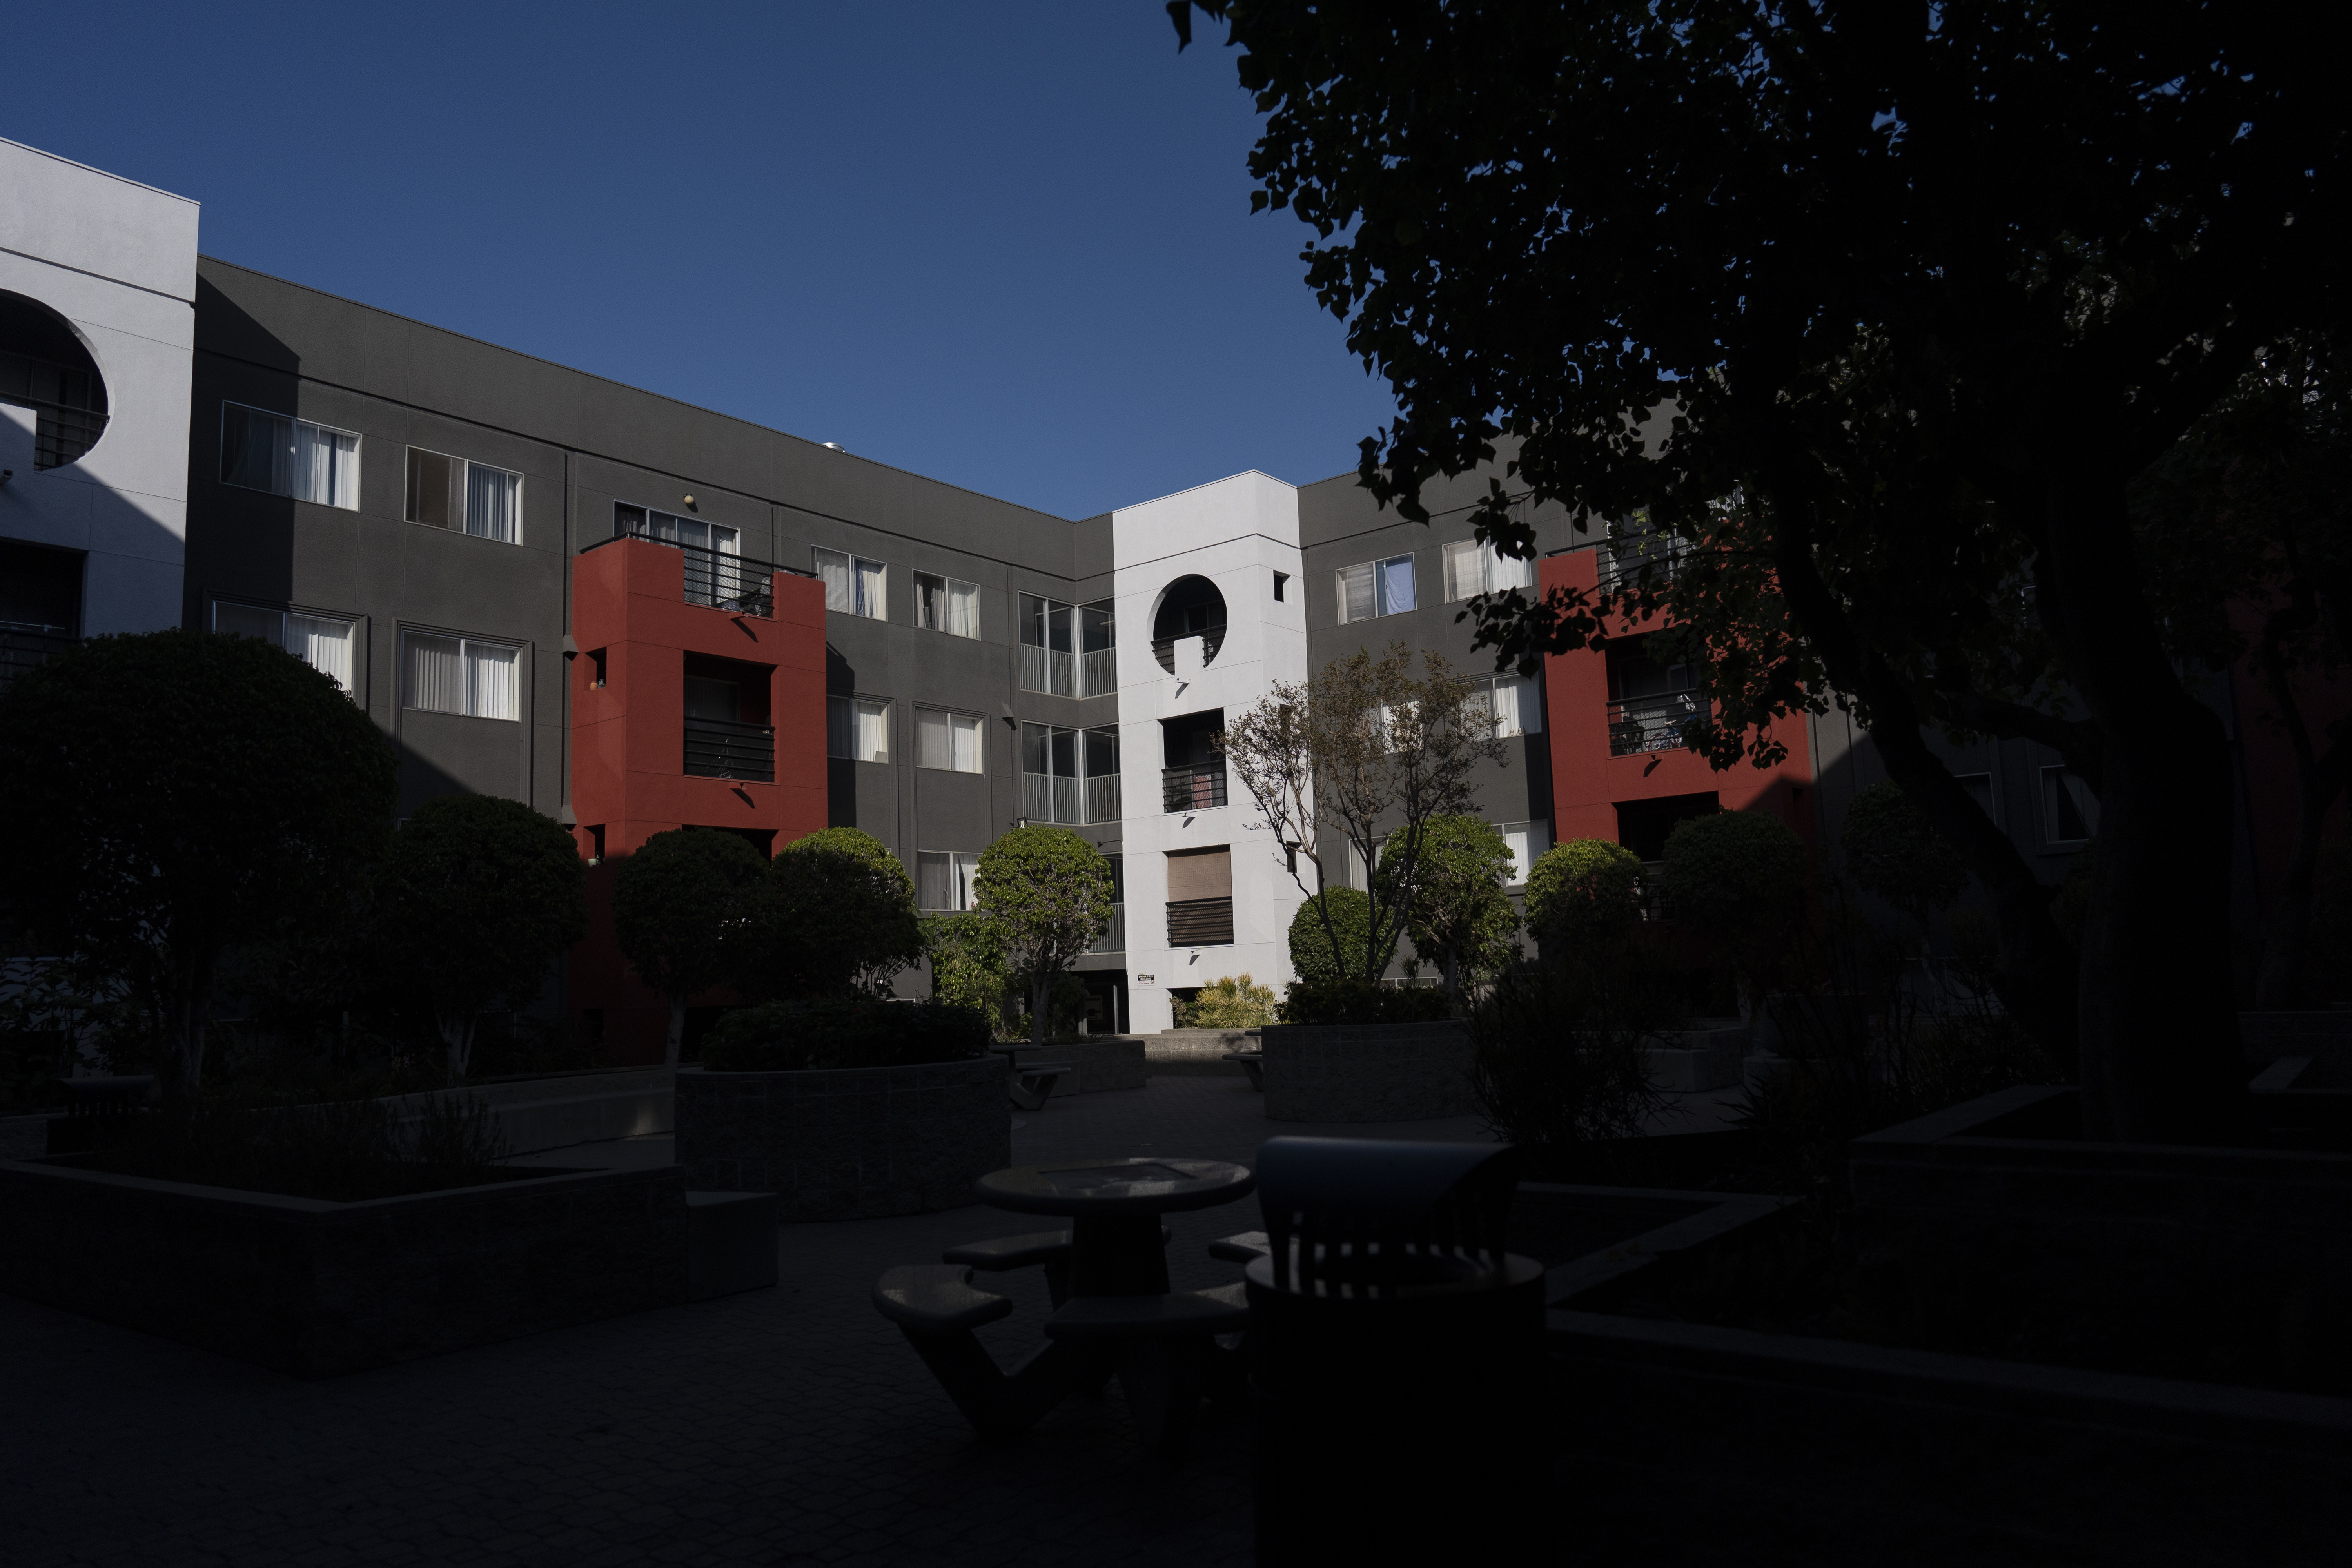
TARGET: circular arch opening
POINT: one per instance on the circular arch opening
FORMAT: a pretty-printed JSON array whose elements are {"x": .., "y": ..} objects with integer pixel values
[
  {"x": 45, "y": 368},
  {"x": 1189, "y": 607}
]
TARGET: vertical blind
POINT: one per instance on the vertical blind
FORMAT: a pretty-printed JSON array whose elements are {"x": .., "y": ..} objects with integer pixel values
[
  {"x": 285, "y": 457},
  {"x": 949, "y": 742},
  {"x": 324, "y": 644},
  {"x": 459, "y": 675},
  {"x": 493, "y": 502}
]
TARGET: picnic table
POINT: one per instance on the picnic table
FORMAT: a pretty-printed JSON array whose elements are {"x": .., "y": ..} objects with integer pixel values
[{"x": 1107, "y": 1275}]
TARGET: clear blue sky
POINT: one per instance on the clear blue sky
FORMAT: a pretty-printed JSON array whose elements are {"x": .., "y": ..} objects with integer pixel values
[{"x": 1008, "y": 245}]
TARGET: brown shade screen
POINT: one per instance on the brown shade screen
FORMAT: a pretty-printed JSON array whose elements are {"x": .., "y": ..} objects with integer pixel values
[{"x": 1200, "y": 874}]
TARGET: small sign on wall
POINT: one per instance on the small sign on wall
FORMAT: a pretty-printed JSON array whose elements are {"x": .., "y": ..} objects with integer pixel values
[{"x": 1146, "y": 979}]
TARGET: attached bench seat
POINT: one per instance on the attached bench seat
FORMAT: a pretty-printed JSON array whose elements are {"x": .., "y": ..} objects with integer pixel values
[
  {"x": 936, "y": 1298},
  {"x": 1038, "y": 1248},
  {"x": 1183, "y": 1314},
  {"x": 1034, "y": 1083}
]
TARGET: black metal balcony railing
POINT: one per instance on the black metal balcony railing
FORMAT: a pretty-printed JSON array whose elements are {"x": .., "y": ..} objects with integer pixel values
[
  {"x": 1211, "y": 638},
  {"x": 1655, "y": 723},
  {"x": 736, "y": 584},
  {"x": 1200, "y": 923},
  {"x": 1647, "y": 561},
  {"x": 22, "y": 649},
  {"x": 1196, "y": 787},
  {"x": 723, "y": 749},
  {"x": 62, "y": 433}
]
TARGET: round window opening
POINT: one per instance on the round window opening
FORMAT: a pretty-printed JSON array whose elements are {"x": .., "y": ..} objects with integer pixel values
[
  {"x": 1191, "y": 607},
  {"x": 45, "y": 368}
]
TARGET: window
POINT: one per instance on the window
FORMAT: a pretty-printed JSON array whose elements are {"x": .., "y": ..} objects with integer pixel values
[
  {"x": 1376, "y": 588},
  {"x": 596, "y": 668},
  {"x": 858, "y": 728},
  {"x": 1528, "y": 842},
  {"x": 944, "y": 605},
  {"x": 716, "y": 573},
  {"x": 949, "y": 742},
  {"x": 595, "y": 832},
  {"x": 1515, "y": 703},
  {"x": 2070, "y": 812},
  {"x": 853, "y": 584},
  {"x": 326, "y": 643},
  {"x": 1281, "y": 585},
  {"x": 1049, "y": 655},
  {"x": 943, "y": 880},
  {"x": 472, "y": 498},
  {"x": 1979, "y": 788},
  {"x": 1114, "y": 939},
  {"x": 262, "y": 451},
  {"x": 1474, "y": 568},
  {"x": 1069, "y": 775},
  {"x": 441, "y": 674},
  {"x": 1097, "y": 657},
  {"x": 1201, "y": 897}
]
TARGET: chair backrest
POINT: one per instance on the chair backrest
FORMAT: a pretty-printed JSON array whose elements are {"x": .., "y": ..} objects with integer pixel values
[{"x": 1372, "y": 1217}]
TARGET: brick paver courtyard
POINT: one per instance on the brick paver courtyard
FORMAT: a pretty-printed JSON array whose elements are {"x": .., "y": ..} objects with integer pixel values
[{"x": 791, "y": 1426}]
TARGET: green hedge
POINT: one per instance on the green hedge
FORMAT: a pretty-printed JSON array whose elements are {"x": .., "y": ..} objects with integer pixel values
[
  {"x": 1357, "y": 1002},
  {"x": 793, "y": 1036}
]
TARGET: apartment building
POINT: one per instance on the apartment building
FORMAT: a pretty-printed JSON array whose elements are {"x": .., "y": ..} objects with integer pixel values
[{"x": 634, "y": 614}]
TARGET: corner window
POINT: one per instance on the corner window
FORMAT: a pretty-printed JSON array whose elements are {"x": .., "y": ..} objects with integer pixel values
[
  {"x": 853, "y": 584},
  {"x": 950, "y": 742},
  {"x": 2070, "y": 812},
  {"x": 326, "y": 643},
  {"x": 1471, "y": 568},
  {"x": 944, "y": 605},
  {"x": 442, "y": 674},
  {"x": 858, "y": 727},
  {"x": 264, "y": 451},
  {"x": 1376, "y": 588},
  {"x": 943, "y": 880},
  {"x": 463, "y": 496}
]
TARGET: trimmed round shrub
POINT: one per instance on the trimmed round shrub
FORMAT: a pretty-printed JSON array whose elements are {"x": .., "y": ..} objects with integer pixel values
[
  {"x": 840, "y": 917},
  {"x": 1360, "y": 1002},
  {"x": 1895, "y": 853},
  {"x": 1584, "y": 893},
  {"x": 1735, "y": 873},
  {"x": 834, "y": 1032},
  {"x": 1311, "y": 958}
]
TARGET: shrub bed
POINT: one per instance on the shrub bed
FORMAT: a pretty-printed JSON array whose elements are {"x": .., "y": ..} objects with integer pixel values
[
  {"x": 1357, "y": 1002},
  {"x": 815, "y": 1035}
]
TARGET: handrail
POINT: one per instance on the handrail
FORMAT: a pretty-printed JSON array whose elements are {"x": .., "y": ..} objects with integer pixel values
[
  {"x": 1195, "y": 787},
  {"x": 1657, "y": 722},
  {"x": 730, "y": 749}
]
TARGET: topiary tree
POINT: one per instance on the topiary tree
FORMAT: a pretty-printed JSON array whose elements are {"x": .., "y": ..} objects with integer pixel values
[
  {"x": 1738, "y": 877},
  {"x": 1050, "y": 894},
  {"x": 479, "y": 896},
  {"x": 1895, "y": 852},
  {"x": 1584, "y": 897},
  {"x": 1345, "y": 918},
  {"x": 177, "y": 794},
  {"x": 685, "y": 908},
  {"x": 969, "y": 968},
  {"x": 840, "y": 917},
  {"x": 1457, "y": 912},
  {"x": 1234, "y": 1002}
]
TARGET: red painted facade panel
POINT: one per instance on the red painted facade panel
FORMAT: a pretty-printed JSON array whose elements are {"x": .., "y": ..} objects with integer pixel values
[{"x": 632, "y": 621}]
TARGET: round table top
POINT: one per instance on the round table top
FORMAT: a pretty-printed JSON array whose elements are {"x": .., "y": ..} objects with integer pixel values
[{"x": 1142, "y": 1185}]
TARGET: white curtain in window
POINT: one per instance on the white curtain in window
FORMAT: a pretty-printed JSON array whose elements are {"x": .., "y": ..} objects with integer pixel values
[
  {"x": 967, "y": 866},
  {"x": 834, "y": 567},
  {"x": 1396, "y": 585},
  {"x": 967, "y": 744},
  {"x": 247, "y": 621},
  {"x": 491, "y": 686},
  {"x": 870, "y": 602},
  {"x": 324, "y": 644},
  {"x": 326, "y": 466},
  {"x": 963, "y": 610},
  {"x": 493, "y": 502},
  {"x": 871, "y": 741},
  {"x": 1504, "y": 695},
  {"x": 1356, "y": 592},
  {"x": 433, "y": 674},
  {"x": 1515, "y": 839},
  {"x": 1508, "y": 572}
]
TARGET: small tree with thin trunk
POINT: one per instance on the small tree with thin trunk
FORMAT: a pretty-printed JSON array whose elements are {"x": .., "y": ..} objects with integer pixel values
[
  {"x": 1049, "y": 895},
  {"x": 683, "y": 910},
  {"x": 838, "y": 919},
  {"x": 1362, "y": 754},
  {"x": 1458, "y": 913},
  {"x": 177, "y": 794},
  {"x": 479, "y": 896}
]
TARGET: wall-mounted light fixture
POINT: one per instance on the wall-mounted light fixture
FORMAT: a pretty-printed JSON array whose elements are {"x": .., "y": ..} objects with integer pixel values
[{"x": 689, "y": 504}]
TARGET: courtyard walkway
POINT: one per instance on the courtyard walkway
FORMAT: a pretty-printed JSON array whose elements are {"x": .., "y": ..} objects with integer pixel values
[{"x": 782, "y": 1427}]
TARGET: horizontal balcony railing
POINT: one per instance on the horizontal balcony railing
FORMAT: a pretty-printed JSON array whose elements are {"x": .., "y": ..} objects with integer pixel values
[
  {"x": 738, "y": 584},
  {"x": 1099, "y": 673},
  {"x": 1637, "y": 567},
  {"x": 1114, "y": 939},
  {"x": 1200, "y": 923},
  {"x": 1213, "y": 638},
  {"x": 62, "y": 433},
  {"x": 1194, "y": 788},
  {"x": 723, "y": 749},
  {"x": 23, "y": 648},
  {"x": 1657, "y": 723}
]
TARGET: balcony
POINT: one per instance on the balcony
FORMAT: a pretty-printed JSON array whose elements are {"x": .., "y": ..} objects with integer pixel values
[
  {"x": 1194, "y": 787},
  {"x": 61, "y": 432},
  {"x": 1656, "y": 723},
  {"x": 1049, "y": 670},
  {"x": 23, "y": 648},
  {"x": 1200, "y": 923},
  {"x": 723, "y": 749},
  {"x": 1641, "y": 561},
  {"x": 719, "y": 579},
  {"x": 1099, "y": 673},
  {"x": 1114, "y": 939},
  {"x": 1212, "y": 638}
]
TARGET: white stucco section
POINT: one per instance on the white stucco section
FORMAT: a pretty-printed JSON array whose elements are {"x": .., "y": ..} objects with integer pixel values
[
  {"x": 1238, "y": 533},
  {"x": 117, "y": 260}
]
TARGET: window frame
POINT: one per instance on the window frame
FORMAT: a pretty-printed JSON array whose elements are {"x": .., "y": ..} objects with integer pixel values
[
  {"x": 834, "y": 731},
  {"x": 1489, "y": 561},
  {"x": 359, "y": 441},
  {"x": 881, "y": 611},
  {"x": 1528, "y": 829},
  {"x": 358, "y": 625},
  {"x": 460, "y": 494},
  {"x": 946, "y": 588},
  {"x": 961, "y": 867},
  {"x": 2052, "y": 778},
  {"x": 1381, "y": 610},
  {"x": 519, "y": 691},
  {"x": 979, "y": 722}
]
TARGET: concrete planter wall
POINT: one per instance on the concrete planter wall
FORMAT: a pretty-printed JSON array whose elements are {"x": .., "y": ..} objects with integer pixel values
[
  {"x": 1107, "y": 1062},
  {"x": 314, "y": 1287},
  {"x": 850, "y": 1143},
  {"x": 1198, "y": 1053},
  {"x": 1375, "y": 1072}
]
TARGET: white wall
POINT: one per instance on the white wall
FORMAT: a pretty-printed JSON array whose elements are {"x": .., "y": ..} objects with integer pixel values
[
  {"x": 1237, "y": 532},
  {"x": 117, "y": 260}
]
